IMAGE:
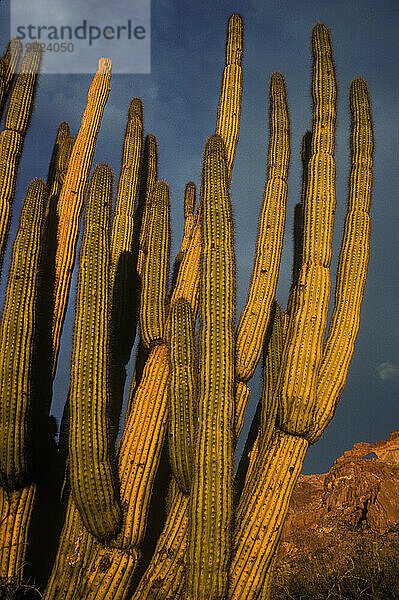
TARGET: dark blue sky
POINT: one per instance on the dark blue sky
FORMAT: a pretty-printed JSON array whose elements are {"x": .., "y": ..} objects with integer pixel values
[{"x": 180, "y": 100}]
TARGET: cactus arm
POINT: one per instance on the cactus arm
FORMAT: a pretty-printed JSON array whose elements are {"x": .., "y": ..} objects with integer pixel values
[
  {"x": 254, "y": 318},
  {"x": 73, "y": 554},
  {"x": 260, "y": 522},
  {"x": 228, "y": 119},
  {"x": 11, "y": 61},
  {"x": 15, "y": 512},
  {"x": 181, "y": 396},
  {"x": 352, "y": 266},
  {"x": 189, "y": 222},
  {"x": 211, "y": 493},
  {"x": 92, "y": 480},
  {"x": 123, "y": 270},
  {"x": 156, "y": 268},
  {"x": 302, "y": 354},
  {"x": 12, "y": 138},
  {"x": 122, "y": 225},
  {"x": 150, "y": 173},
  {"x": 53, "y": 183},
  {"x": 71, "y": 198},
  {"x": 17, "y": 343}
]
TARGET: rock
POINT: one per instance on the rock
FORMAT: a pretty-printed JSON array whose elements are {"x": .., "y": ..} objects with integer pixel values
[{"x": 358, "y": 496}]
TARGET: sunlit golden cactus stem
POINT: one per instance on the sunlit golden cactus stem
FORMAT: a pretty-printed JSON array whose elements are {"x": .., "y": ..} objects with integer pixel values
[
  {"x": 189, "y": 219},
  {"x": 352, "y": 265},
  {"x": 15, "y": 513},
  {"x": 303, "y": 351},
  {"x": 155, "y": 272},
  {"x": 90, "y": 457},
  {"x": 11, "y": 62},
  {"x": 122, "y": 225},
  {"x": 150, "y": 176},
  {"x": 71, "y": 198},
  {"x": 324, "y": 91},
  {"x": 269, "y": 402},
  {"x": 228, "y": 119},
  {"x": 258, "y": 526},
  {"x": 12, "y": 138},
  {"x": 182, "y": 393},
  {"x": 17, "y": 343},
  {"x": 255, "y": 316},
  {"x": 138, "y": 456},
  {"x": 211, "y": 495}
]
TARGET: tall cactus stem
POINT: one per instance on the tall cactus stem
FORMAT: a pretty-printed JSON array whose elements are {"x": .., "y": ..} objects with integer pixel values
[
  {"x": 90, "y": 457},
  {"x": 211, "y": 495},
  {"x": 17, "y": 331},
  {"x": 71, "y": 198}
]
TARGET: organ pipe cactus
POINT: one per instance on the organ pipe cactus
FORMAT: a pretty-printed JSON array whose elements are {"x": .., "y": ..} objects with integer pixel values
[
  {"x": 209, "y": 548},
  {"x": 12, "y": 137},
  {"x": 90, "y": 461},
  {"x": 17, "y": 343},
  {"x": 70, "y": 202},
  {"x": 211, "y": 503},
  {"x": 182, "y": 393}
]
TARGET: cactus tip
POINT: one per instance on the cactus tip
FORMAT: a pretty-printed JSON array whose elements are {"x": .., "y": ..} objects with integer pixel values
[
  {"x": 104, "y": 65},
  {"x": 135, "y": 108}
]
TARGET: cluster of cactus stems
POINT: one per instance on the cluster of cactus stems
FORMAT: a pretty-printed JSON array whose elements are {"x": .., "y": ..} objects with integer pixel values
[{"x": 221, "y": 530}]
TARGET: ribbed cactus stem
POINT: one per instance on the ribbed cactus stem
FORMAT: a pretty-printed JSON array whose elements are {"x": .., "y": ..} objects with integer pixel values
[
  {"x": 71, "y": 198},
  {"x": 228, "y": 119},
  {"x": 189, "y": 218},
  {"x": 297, "y": 385},
  {"x": 352, "y": 265},
  {"x": 182, "y": 393},
  {"x": 90, "y": 457},
  {"x": 211, "y": 495},
  {"x": 17, "y": 343},
  {"x": 12, "y": 59},
  {"x": 15, "y": 516},
  {"x": 155, "y": 273},
  {"x": 189, "y": 223},
  {"x": 122, "y": 226},
  {"x": 53, "y": 184},
  {"x": 123, "y": 269},
  {"x": 255, "y": 316},
  {"x": 149, "y": 178},
  {"x": 64, "y": 157},
  {"x": 12, "y": 138},
  {"x": 260, "y": 516}
]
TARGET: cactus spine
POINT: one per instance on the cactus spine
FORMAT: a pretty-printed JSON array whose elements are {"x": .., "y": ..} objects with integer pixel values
[{"x": 92, "y": 481}]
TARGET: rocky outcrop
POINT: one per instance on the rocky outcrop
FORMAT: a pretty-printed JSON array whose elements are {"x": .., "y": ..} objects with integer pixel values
[{"x": 358, "y": 496}]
